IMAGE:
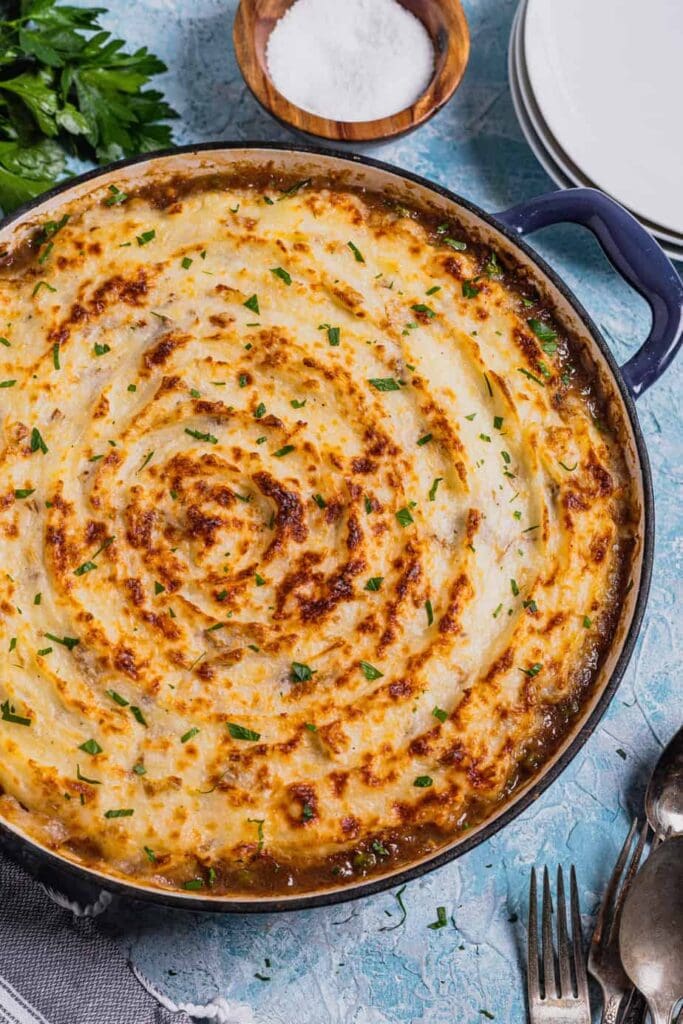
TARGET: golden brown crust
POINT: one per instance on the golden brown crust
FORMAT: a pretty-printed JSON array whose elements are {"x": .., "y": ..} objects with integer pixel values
[{"x": 311, "y": 539}]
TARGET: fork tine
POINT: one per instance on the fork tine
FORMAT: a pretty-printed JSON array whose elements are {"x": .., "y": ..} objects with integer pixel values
[
  {"x": 533, "y": 987},
  {"x": 602, "y": 929},
  {"x": 628, "y": 878},
  {"x": 577, "y": 942},
  {"x": 563, "y": 956},
  {"x": 549, "y": 982}
]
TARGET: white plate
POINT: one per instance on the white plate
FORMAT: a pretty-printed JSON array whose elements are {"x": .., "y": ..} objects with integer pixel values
[
  {"x": 605, "y": 74},
  {"x": 550, "y": 142},
  {"x": 537, "y": 145}
]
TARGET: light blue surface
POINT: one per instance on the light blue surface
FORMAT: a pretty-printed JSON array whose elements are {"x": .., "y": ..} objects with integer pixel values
[{"x": 338, "y": 965}]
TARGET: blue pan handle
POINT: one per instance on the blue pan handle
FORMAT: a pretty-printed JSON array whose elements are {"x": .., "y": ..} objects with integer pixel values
[{"x": 634, "y": 254}]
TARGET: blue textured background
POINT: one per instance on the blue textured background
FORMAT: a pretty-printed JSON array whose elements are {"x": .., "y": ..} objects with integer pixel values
[{"x": 338, "y": 965}]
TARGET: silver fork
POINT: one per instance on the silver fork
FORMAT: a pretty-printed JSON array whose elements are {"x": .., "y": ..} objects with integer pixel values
[
  {"x": 604, "y": 960},
  {"x": 563, "y": 999}
]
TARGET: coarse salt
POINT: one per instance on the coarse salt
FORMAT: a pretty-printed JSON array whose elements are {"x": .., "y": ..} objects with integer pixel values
[{"x": 350, "y": 60}]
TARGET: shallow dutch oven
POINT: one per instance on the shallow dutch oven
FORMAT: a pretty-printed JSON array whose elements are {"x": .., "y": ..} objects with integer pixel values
[{"x": 634, "y": 254}]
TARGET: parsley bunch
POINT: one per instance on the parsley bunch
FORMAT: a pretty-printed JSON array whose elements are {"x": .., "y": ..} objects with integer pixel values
[{"x": 68, "y": 88}]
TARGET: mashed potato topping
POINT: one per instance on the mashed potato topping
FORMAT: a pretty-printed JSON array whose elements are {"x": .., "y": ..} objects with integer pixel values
[{"x": 309, "y": 532}]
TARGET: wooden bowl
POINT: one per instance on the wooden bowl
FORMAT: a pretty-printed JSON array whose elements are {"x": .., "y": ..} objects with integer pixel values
[{"x": 444, "y": 20}]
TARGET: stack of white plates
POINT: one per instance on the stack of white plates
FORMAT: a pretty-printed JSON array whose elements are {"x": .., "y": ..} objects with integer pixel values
[{"x": 595, "y": 85}]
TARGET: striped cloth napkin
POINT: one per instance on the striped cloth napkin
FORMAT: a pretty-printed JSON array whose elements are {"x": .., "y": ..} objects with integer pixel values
[{"x": 57, "y": 968}]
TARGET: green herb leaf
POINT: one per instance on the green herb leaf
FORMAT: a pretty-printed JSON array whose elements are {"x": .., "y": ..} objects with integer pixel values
[
  {"x": 146, "y": 237},
  {"x": 24, "y": 492},
  {"x": 420, "y": 307},
  {"x": 37, "y": 443},
  {"x": 252, "y": 304},
  {"x": 425, "y": 439},
  {"x": 117, "y": 196},
  {"x": 423, "y": 781},
  {"x": 199, "y": 436},
  {"x": 101, "y": 350},
  {"x": 369, "y": 671},
  {"x": 122, "y": 812},
  {"x": 259, "y": 411},
  {"x": 544, "y": 332},
  {"x": 384, "y": 383},
  {"x": 440, "y": 714},
  {"x": 66, "y": 641},
  {"x": 470, "y": 290},
  {"x": 117, "y": 698},
  {"x": 138, "y": 715},
  {"x": 301, "y": 673},
  {"x": 434, "y": 487},
  {"x": 282, "y": 274},
  {"x": 285, "y": 450},
  {"x": 189, "y": 734},
  {"x": 239, "y": 732},
  {"x": 186, "y": 262},
  {"x": 7, "y": 713},
  {"x": 320, "y": 501},
  {"x": 533, "y": 670},
  {"x": 441, "y": 919},
  {"x": 404, "y": 517},
  {"x": 91, "y": 747},
  {"x": 456, "y": 244},
  {"x": 356, "y": 252},
  {"x": 531, "y": 376},
  {"x": 374, "y": 583},
  {"x": 430, "y": 612}
]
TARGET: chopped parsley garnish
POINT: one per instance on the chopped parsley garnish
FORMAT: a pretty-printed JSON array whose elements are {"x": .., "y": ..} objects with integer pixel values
[
  {"x": 374, "y": 583},
  {"x": 379, "y": 848},
  {"x": 146, "y": 237},
  {"x": 285, "y": 450},
  {"x": 384, "y": 383},
  {"x": 497, "y": 422},
  {"x": 101, "y": 350},
  {"x": 37, "y": 599},
  {"x": 533, "y": 670},
  {"x": 358, "y": 255},
  {"x": 138, "y": 715},
  {"x": 259, "y": 832},
  {"x": 307, "y": 812},
  {"x": 493, "y": 267},
  {"x": 243, "y": 380},
  {"x": 5, "y": 342},
  {"x": 488, "y": 386},
  {"x": 440, "y": 714},
  {"x": 8, "y": 714},
  {"x": 332, "y": 334},
  {"x": 420, "y": 307},
  {"x": 13, "y": 644},
  {"x": 530, "y": 605},
  {"x": 423, "y": 781},
  {"x": 186, "y": 262},
  {"x": 484, "y": 437},
  {"x": 199, "y": 436},
  {"x": 84, "y": 778},
  {"x": 293, "y": 189},
  {"x": 514, "y": 588},
  {"x": 531, "y": 376},
  {"x": 7, "y": 383},
  {"x": 296, "y": 404},
  {"x": 369, "y": 671},
  {"x": 404, "y": 517},
  {"x": 252, "y": 304},
  {"x": 368, "y": 505},
  {"x": 441, "y": 919},
  {"x": 587, "y": 622},
  {"x": 433, "y": 489},
  {"x": 430, "y": 612},
  {"x": 260, "y": 582},
  {"x": 121, "y": 812},
  {"x": 42, "y": 284},
  {"x": 433, "y": 290},
  {"x": 194, "y": 883},
  {"x": 116, "y": 197},
  {"x": 282, "y": 274},
  {"x": 55, "y": 356},
  {"x": 146, "y": 460},
  {"x": 66, "y": 641},
  {"x": 117, "y": 698},
  {"x": 261, "y": 440},
  {"x": 456, "y": 244},
  {"x": 150, "y": 854},
  {"x": 91, "y": 747},
  {"x": 470, "y": 290},
  {"x": 470, "y": 416},
  {"x": 543, "y": 332},
  {"x": 310, "y": 726},
  {"x": 159, "y": 588},
  {"x": 300, "y": 673},
  {"x": 259, "y": 411},
  {"x": 506, "y": 457},
  {"x": 569, "y": 469},
  {"x": 425, "y": 439},
  {"x": 24, "y": 492},
  {"x": 320, "y": 501},
  {"x": 189, "y": 734},
  {"x": 530, "y": 528},
  {"x": 37, "y": 443},
  {"x": 139, "y": 768},
  {"x": 239, "y": 732}
]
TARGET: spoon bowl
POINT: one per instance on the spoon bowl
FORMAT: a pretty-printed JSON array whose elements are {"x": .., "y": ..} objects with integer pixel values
[
  {"x": 664, "y": 796},
  {"x": 651, "y": 930},
  {"x": 447, "y": 27}
]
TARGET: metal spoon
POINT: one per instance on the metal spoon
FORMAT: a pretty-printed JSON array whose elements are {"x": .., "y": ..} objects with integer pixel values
[
  {"x": 651, "y": 930},
  {"x": 664, "y": 796}
]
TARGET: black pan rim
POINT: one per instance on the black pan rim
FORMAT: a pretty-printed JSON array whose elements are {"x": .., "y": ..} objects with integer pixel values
[{"x": 223, "y": 904}]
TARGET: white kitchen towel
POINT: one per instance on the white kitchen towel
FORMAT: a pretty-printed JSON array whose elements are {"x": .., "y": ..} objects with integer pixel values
[{"x": 56, "y": 968}]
